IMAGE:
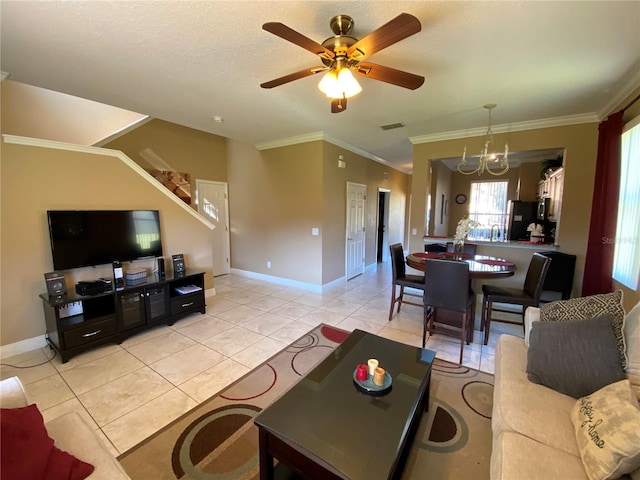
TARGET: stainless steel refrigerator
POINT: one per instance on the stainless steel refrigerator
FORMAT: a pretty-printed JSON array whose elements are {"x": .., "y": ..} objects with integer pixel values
[{"x": 520, "y": 215}]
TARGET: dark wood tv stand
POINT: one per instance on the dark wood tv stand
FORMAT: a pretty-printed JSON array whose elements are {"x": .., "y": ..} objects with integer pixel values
[{"x": 76, "y": 323}]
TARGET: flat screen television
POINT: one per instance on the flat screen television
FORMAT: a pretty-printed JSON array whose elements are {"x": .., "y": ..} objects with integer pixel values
[{"x": 82, "y": 238}]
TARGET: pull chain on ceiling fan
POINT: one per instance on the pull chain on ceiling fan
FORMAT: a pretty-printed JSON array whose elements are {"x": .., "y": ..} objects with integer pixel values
[{"x": 343, "y": 55}]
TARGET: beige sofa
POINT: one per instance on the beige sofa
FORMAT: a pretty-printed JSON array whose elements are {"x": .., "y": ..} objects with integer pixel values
[
  {"x": 70, "y": 433},
  {"x": 533, "y": 435}
]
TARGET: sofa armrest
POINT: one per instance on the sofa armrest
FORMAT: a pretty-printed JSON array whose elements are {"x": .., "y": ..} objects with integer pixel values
[
  {"x": 72, "y": 434},
  {"x": 12, "y": 394},
  {"x": 531, "y": 314}
]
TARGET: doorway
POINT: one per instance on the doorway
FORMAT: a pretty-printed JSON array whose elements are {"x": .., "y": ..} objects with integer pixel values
[
  {"x": 213, "y": 204},
  {"x": 356, "y": 198},
  {"x": 382, "y": 243}
]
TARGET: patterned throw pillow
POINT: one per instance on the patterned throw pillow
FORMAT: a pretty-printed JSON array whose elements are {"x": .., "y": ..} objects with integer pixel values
[
  {"x": 592, "y": 306},
  {"x": 607, "y": 426}
]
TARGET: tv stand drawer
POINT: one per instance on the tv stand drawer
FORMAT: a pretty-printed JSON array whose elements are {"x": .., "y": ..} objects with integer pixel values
[
  {"x": 90, "y": 333},
  {"x": 187, "y": 303}
]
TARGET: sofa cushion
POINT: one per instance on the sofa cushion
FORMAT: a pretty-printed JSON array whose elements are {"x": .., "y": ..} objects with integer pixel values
[
  {"x": 73, "y": 434},
  {"x": 591, "y": 306},
  {"x": 515, "y": 456},
  {"x": 632, "y": 339},
  {"x": 575, "y": 358},
  {"x": 527, "y": 408},
  {"x": 607, "y": 425},
  {"x": 28, "y": 452}
]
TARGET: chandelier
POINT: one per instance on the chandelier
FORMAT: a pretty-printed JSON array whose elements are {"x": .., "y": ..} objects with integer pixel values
[{"x": 493, "y": 163}]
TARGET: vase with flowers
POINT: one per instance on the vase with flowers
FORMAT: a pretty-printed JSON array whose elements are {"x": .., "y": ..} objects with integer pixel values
[{"x": 465, "y": 225}]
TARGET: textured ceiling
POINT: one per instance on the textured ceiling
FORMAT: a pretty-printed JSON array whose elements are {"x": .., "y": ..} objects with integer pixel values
[{"x": 186, "y": 62}]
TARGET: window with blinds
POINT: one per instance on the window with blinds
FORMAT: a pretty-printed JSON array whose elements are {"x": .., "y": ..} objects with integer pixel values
[
  {"x": 488, "y": 207},
  {"x": 626, "y": 257}
]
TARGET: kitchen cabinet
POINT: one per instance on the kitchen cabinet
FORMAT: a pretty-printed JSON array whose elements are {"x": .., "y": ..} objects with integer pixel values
[
  {"x": 555, "y": 189},
  {"x": 552, "y": 188}
]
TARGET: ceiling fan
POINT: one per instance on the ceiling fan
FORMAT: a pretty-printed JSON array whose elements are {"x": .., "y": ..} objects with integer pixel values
[{"x": 343, "y": 54}]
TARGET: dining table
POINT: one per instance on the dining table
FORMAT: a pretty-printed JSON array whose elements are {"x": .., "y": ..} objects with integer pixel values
[{"x": 480, "y": 267}]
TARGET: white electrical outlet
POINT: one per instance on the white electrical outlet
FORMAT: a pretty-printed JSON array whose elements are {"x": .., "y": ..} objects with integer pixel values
[
  {"x": 268, "y": 264},
  {"x": 414, "y": 231}
]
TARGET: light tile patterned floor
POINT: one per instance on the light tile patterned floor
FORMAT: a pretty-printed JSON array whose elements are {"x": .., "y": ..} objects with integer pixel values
[{"x": 129, "y": 391}]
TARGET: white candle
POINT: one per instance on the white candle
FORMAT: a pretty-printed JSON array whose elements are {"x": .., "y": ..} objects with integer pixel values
[{"x": 373, "y": 364}]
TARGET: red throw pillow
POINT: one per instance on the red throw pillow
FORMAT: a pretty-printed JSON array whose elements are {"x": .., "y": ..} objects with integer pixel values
[{"x": 27, "y": 452}]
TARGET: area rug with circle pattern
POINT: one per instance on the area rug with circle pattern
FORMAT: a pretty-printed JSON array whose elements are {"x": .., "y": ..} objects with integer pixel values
[{"x": 218, "y": 440}]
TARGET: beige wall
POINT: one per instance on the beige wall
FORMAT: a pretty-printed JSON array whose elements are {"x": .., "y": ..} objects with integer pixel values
[
  {"x": 580, "y": 143},
  {"x": 37, "y": 179},
  {"x": 442, "y": 203},
  {"x": 40, "y": 113},
  {"x": 202, "y": 155},
  {"x": 371, "y": 174},
  {"x": 275, "y": 199},
  {"x": 529, "y": 178},
  {"x": 277, "y": 196}
]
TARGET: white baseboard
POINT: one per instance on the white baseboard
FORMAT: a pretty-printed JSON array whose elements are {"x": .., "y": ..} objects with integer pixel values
[
  {"x": 23, "y": 346},
  {"x": 210, "y": 293},
  {"x": 310, "y": 287}
]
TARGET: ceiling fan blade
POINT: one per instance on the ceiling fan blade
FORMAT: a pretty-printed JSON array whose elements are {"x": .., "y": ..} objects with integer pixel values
[
  {"x": 401, "y": 27},
  {"x": 338, "y": 105},
  {"x": 389, "y": 75},
  {"x": 282, "y": 31},
  {"x": 293, "y": 76}
]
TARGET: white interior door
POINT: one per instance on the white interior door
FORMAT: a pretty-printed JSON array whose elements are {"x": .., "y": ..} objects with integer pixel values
[
  {"x": 356, "y": 199},
  {"x": 213, "y": 204}
]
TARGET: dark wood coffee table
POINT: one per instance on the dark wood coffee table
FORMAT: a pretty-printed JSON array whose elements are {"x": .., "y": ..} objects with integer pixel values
[{"x": 324, "y": 427}]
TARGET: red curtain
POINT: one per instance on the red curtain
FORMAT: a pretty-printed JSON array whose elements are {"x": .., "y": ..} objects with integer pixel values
[{"x": 604, "y": 208}]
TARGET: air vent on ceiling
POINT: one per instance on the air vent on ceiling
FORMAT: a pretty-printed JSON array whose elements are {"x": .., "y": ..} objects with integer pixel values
[{"x": 391, "y": 126}]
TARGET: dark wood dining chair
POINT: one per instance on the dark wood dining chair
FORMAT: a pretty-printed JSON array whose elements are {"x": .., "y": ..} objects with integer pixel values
[
  {"x": 447, "y": 300},
  {"x": 527, "y": 296},
  {"x": 402, "y": 279},
  {"x": 469, "y": 248}
]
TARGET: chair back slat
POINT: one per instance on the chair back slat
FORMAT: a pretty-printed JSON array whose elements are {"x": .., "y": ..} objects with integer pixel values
[{"x": 446, "y": 284}]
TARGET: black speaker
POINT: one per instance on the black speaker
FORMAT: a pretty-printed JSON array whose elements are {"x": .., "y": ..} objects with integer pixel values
[
  {"x": 178, "y": 264},
  {"x": 55, "y": 284},
  {"x": 118, "y": 275},
  {"x": 161, "y": 274}
]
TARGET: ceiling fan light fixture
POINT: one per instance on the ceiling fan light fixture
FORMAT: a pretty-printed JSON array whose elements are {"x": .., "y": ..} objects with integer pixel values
[{"x": 339, "y": 85}]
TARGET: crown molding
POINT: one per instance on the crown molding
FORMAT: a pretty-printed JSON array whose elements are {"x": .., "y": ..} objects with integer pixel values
[
  {"x": 315, "y": 136},
  {"x": 631, "y": 86},
  {"x": 507, "y": 128},
  {"x": 38, "y": 142},
  {"x": 285, "y": 142}
]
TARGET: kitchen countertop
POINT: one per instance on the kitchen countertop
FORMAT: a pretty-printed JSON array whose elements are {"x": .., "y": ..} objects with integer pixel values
[{"x": 498, "y": 243}]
